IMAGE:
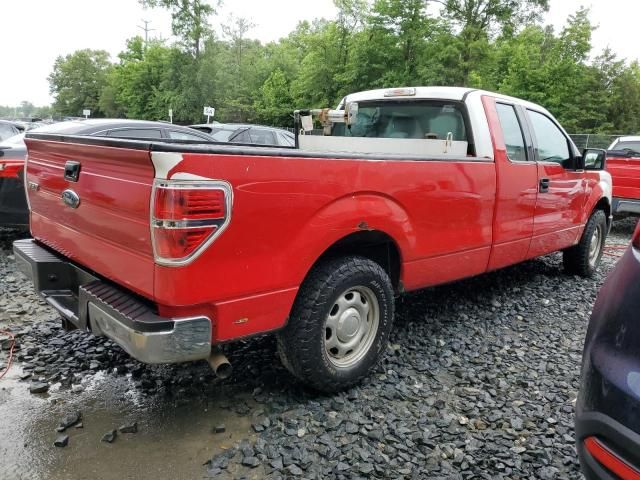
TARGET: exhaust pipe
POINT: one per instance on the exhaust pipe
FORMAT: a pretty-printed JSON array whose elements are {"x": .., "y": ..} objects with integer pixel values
[{"x": 220, "y": 363}]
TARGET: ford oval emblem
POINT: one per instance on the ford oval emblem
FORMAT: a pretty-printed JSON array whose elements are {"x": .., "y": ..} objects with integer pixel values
[{"x": 71, "y": 198}]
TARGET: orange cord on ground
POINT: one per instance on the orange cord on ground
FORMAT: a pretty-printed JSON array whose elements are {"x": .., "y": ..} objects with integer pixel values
[
  {"x": 13, "y": 344},
  {"x": 615, "y": 250}
]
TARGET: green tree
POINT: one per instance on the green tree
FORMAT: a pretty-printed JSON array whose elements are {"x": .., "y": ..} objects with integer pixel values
[
  {"x": 27, "y": 108},
  {"x": 275, "y": 105},
  {"x": 189, "y": 20},
  {"x": 498, "y": 45},
  {"x": 140, "y": 86},
  {"x": 479, "y": 19},
  {"x": 77, "y": 81}
]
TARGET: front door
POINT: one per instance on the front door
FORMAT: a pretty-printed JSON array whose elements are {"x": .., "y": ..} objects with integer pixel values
[{"x": 561, "y": 189}]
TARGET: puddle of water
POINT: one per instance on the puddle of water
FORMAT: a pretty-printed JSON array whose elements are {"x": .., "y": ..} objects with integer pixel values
[{"x": 174, "y": 438}]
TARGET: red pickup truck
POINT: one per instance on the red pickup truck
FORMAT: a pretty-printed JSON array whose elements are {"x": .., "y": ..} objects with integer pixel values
[
  {"x": 174, "y": 248},
  {"x": 623, "y": 163}
]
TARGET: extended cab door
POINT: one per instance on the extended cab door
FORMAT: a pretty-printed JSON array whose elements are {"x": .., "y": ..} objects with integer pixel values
[
  {"x": 561, "y": 188},
  {"x": 517, "y": 182}
]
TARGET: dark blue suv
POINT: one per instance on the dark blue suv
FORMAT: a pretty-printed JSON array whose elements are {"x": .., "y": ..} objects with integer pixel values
[{"x": 608, "y": 407}]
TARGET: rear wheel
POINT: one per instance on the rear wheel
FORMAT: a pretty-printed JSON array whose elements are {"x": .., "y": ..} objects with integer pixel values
[
  {"x": 584, "y": 258},
  {"x": 339, "y": 324}
]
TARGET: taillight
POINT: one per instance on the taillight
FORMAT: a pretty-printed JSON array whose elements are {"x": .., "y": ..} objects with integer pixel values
[
  {"x": 610, "y": 460},
  {"x": 186, "y": 216},
  {"x": 636, "y": 237},
  {"x": 10, "y": 169}
]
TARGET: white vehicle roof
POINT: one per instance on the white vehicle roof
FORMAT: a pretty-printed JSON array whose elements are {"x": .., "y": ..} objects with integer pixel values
[
  {"x": 630, "y": 138},
  {"x": 431, "y": 93}
]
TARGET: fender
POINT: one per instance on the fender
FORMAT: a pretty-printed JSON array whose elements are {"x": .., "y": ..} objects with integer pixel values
[
  {"x": 602, "y": 190},
  {"x": 371, "y": 211},
  {"x": 335, "y": 221}
]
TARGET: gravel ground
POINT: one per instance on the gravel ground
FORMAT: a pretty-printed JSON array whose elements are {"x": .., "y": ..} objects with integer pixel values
[{"x": 479, "y": 381}]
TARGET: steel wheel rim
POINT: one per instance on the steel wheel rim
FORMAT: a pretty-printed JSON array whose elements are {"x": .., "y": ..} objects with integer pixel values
[
  {"x": 594, "y": 246},
  {"x": 351, "y": 326}
]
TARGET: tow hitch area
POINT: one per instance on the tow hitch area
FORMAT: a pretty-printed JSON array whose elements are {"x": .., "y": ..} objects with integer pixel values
[{"x": 93, "y": 304}]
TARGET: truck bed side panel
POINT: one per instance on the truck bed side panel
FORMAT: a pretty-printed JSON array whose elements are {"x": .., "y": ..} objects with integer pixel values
[{"x": 288, "y": 211}]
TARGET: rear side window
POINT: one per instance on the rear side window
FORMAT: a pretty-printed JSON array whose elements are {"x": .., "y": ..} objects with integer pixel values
[
  {"x": 135, "y": 133},
  {"x": 552, "y": 144},
  {"x": 512, "y": 131},
  {"x": 416, "y": 119}
]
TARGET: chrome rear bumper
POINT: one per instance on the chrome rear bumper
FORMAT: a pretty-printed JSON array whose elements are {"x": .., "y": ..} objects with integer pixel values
[{"x": 94, "y": 304}]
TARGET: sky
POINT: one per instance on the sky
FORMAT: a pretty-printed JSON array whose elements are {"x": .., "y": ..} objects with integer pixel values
[{"x": 35, "y": 32}]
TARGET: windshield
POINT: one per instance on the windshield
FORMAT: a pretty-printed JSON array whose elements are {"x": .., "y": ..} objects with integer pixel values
[{"x": 427, "y": 119}]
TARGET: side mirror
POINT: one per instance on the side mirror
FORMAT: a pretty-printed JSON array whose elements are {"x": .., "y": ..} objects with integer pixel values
[{"x": 592, "y": 159}]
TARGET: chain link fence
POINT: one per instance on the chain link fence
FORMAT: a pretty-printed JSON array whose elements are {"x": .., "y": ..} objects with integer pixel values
[{"x": 593, "y": 140}]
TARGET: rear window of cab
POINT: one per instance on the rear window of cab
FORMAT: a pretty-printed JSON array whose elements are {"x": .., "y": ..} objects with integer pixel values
[{"x": 427, "y": 119}]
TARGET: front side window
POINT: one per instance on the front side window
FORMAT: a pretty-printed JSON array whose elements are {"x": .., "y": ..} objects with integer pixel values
[
  {"x": 286, "y": 140},
  {"x": 552, "y": 144},
  {"x": 240, "y": 136},
  {"x": 222, "y": 134},
  {"x": 175, "y": 135},
  {"x": 135, "y": 133},
  {"x": 428, "y": 119},
  {"x": 260, "y": 136},
  {"x": 512, "y": 132}
]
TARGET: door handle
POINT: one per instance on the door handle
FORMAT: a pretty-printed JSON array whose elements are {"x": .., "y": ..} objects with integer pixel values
[
  {"x": 544, "y": 185},
  {"x": 71, "y": 171}
]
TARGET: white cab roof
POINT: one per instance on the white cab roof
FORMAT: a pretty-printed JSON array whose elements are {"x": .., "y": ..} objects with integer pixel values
[
  {"x": 444, "y": 93},
  {"x": 472, "y": 98}
]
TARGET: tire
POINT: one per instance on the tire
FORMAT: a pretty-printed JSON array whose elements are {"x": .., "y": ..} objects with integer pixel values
[
  {"x": 342, "y": 301},
  {"x": 584, "y": 258}
]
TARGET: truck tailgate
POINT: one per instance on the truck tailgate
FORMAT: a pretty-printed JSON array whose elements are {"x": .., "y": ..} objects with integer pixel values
[{"x": 108, "y": 231}]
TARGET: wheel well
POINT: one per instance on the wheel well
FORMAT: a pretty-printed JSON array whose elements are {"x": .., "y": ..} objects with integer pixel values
[
  {"x": 603, "y": 204},
  {"x": 374, "y": 245}
]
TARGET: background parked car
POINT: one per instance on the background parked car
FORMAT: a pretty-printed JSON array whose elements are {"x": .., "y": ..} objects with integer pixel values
[
  {"x": 608, "y": 407},
  {"x": 8, "y": 129},
  {"x": 13, "y": 205},
  {"x": 249, "y": 134},
  {"x": 105, "y": 127}
]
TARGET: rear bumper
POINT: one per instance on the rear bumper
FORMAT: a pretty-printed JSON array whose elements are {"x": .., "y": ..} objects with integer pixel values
[
  {"x": 626, "y": 205},
  {"x": 611, "y": 434},
  {"x": 91, "y": 303},
  {"x": 13, "y": 203},
  {"x": 609, "y": 399}
]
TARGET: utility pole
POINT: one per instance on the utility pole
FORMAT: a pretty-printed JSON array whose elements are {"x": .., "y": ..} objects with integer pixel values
[{"x": 146, "y": 30}]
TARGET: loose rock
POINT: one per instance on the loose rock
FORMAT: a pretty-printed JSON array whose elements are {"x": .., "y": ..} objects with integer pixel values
[{"x": 110, "y": 436}]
